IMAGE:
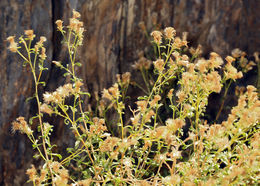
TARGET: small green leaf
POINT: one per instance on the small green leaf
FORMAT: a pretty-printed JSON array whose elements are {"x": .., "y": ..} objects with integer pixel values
[{"x": 78, "y": 64}]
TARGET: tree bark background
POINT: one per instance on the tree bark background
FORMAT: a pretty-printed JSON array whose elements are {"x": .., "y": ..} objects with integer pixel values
[{"x": 112, "y": 42}]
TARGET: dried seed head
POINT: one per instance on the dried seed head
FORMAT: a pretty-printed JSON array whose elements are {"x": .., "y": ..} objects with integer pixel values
[
  {"x": 142, "y": 105},
  {"x": 46, "y": 109},
  {"x": 78, "y": 84},
  {"x": 47, "y": 97},
  {"x": 149, "y": 115},
  {"x": 181, "y": 96},
  {"x": 136, "y": 119},
  {"x": 159, "y": 65},
  {"x": 155, "y": 100},
  {"x": 85, "y": 182},
  {"x": 32, "y": 173},
  {"x": 114, "y": 90},
  {"x": 231, "y": 72},
  {"x": 44, "y": 173},
  {"x": 13, "y": 47},
  {"x": 236, "y": 53},
  {"x": 230, "y": 59},
  {"x": 21, "y": 125},
  {"x": 142, "y": 63},
  {"x": 107, "y": 95},
  {"x": 43, "y": 53},
  {"x": 29, "y": 34},
  {"x": 169, "y": 32},
  {"x": 157, "y": 37},
  {"x": 42, "y": 39},
  {"x": 59, "y": 25},
  {"x": 126, "y": 77},
  {"x": 170, "y": 94},
  {"x": 75, "y": 14},
  {"x": 55, "y": 166}
]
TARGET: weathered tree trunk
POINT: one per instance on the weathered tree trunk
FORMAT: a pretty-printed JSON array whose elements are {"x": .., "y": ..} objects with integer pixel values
[{"x": 112, "y": 42}]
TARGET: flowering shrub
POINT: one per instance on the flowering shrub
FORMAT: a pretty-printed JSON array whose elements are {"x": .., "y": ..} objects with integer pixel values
[{"x": 151, "y": 149}]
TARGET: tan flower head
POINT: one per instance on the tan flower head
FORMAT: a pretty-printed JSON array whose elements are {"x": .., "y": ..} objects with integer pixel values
[
  {"x": 155, "y": 100},
  {"x": 202, "y": 65},
  {"x": 13, "y": 47},
  {"x": 44, "y": 108},
  {"x": 170, "y": 94},
  {"x": 55, "y": 166},
  {"x": 107, "y": 95},
  {"x": 75, "y": 14},
  {"x": 159, "y": 65},
  {"x": 57, "y": 63},
  {"x": 236, "y": 53},
  {"x": 78, "y": 84},
  {"x": 10, "y": 39},
  {"x": 196, "y": 52},
  {"x": 126, "y": 77},
  {"x": 142, "y": 105},
  {"x": 21, "y": 125},
  {"x": 169, "y": 32},
  {"x": 85, "y": 182},
  {"x": 43, "y": 54},
  {"x": 32, "y": 173},
  {"x": 142, "y": 63},
  {"x": 215, "y": 61},
  {"x": 59, "y": 25},
  {"x": 230, "y": 59},
  {"x": 29, "y": 34},
  {"x": 42, "y": 39},
  {"x": 157, "y": 37},
  {"x": 48, "y": 97},
  {"x": 181, "y": 95},
  {"x": 114, "y": 91}
]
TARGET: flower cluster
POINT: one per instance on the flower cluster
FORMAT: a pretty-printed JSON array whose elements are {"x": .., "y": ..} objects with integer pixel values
[
  {"x": 74, "y": 25},
  {"x": 21, "y": 125},
  {"x": 59, "y": 95},
  {"x": 13, "y": 45}
]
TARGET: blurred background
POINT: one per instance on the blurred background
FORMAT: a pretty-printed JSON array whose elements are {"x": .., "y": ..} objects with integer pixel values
[{"x": 116, "y": 33}]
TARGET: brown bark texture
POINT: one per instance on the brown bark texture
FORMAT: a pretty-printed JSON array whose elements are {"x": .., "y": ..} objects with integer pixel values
[{"x": 113, "y": 39}]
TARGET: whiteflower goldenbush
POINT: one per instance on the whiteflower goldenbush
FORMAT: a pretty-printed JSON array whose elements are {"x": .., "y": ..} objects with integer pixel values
[{"x": 151, "y": 149}]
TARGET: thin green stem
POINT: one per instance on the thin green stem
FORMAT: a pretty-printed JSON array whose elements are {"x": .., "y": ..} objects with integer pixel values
[{"x": 223, "y": 100}]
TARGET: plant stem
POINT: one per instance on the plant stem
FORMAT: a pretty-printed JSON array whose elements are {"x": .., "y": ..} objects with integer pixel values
[{"x": 223, "y": 100}]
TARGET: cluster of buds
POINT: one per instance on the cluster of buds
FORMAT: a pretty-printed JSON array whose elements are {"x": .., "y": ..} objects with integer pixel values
[
  {"x": 75, "y": 25},
  {"x": 246, "y": 112},
  {"x": 169, "y": 33},
  {"x": 142, "y": 63},
  {"x": 157, "y": 37},
  {"x": 98, "y": 127},
  {"x": 230, "y": 71},
  {"x": 124, "y": 79},
  {"x": 109, "y": 144},
  {"x": 39, "y": 45},
  {"x": 112, "y": 93},
  {"x": 33, "y": 175},
  {"x": 21, "y": 125},
  {"x": 58, "y": 95},
  {"x": 13, "y": 47},
  {"x": 61, "y": 174},
  {"x": 196, "y": 52},
  {"x": 29, "y": 34},
  {"x": 159, "y": 65}
]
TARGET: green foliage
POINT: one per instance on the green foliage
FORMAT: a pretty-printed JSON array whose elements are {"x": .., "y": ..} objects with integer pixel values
[{"x": 153, "y": 148}]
